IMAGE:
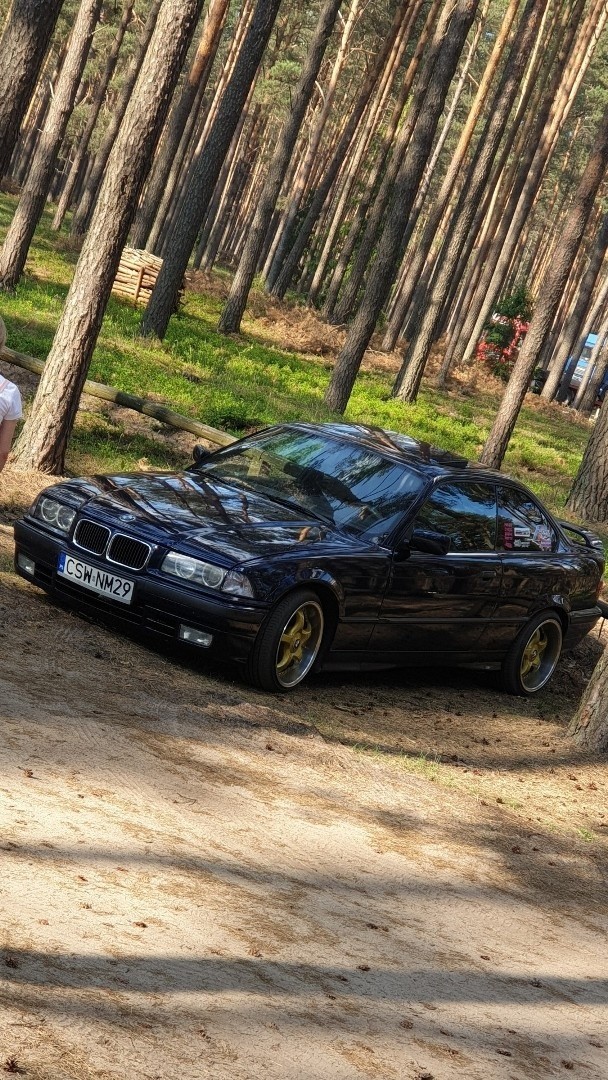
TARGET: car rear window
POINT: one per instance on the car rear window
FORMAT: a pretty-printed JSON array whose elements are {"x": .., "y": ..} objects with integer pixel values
[{"x": 522, "y": 526}]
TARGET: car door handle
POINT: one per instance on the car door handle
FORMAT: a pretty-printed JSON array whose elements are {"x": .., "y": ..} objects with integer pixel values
[{"x": 488, "y": 575}]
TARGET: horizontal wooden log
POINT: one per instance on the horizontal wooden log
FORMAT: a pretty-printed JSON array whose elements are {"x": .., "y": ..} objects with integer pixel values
[{"x": 129, "y": 401}]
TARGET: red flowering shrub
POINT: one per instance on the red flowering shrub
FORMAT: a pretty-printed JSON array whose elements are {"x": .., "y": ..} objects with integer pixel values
[{"x": 503, "y": 335}]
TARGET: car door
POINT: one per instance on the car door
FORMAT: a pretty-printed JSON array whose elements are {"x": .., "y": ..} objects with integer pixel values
[{"x": 444, "y": 603}]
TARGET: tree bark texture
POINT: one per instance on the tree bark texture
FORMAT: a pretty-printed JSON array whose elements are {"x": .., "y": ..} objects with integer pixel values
[
  {"x": 382, "y": 272},
  {"x": 536, "y": 153},
  {"x": 303, "y": 176},
  {"x": 194, "y": 87},
  {"x": 548, "y": 300},
  {"x": 98, "y": 99},
  {"x": 440, "y": 205},
  {"x": 327, "y": 179},
  {"x": 589, "y": 728},
  {"x": 27, "y": 33},
  {"x": 588, "y": 497},
  {"x": 84, "y": 210},
  {"x": 404, "y": 19},
  {"x": 206, "y": 170},
  {"x": 45, "y": 434},
  {"x": 33, "y": 196},
  {"x": 409, "y": 378},
  {"x": 230, "y": 321},
  {"x": 571, "y": 329},
  {"x": 338, "y": 311}
]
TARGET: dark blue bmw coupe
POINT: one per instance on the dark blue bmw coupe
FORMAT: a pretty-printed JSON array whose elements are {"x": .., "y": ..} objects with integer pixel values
[{"x": 323, "y": 546}]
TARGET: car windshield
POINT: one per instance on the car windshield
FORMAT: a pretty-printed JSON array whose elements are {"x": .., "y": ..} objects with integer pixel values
[{"x": 337, "y": 482}]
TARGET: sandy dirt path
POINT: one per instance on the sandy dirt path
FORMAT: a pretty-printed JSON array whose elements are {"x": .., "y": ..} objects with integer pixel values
[{"x": 195, "y": 883}]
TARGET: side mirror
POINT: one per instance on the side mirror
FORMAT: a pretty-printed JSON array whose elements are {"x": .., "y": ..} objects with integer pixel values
[
  {"x": 200, "y": 455},
  {"x": 430, "y": 543}
]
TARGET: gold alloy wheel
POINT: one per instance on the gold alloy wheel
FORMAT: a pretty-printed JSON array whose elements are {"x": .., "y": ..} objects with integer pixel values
[
  {"x": 533, "y": 652},
  {"x": 540, "y": 655},
  {"x": 299, "y": 643}
]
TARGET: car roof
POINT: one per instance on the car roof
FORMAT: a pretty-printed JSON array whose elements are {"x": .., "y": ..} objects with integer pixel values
[{"x": 421, "y": 456}]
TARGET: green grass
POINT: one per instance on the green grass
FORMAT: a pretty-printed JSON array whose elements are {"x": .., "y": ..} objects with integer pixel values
[{"x": 242, "y": 383}]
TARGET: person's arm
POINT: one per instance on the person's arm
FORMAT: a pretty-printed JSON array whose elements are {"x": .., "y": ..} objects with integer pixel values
[{"x": 7, "y": 431}]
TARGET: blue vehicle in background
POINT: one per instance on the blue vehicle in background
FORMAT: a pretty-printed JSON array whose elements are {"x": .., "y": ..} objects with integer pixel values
[
  {"x": 578, "y": 374},
  {"x": 574, "y": 374}
]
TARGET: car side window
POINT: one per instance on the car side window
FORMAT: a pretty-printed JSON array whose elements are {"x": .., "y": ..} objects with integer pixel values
[
  {"x": 466, "y": 512},
  {"x": 522, "y": 526}
]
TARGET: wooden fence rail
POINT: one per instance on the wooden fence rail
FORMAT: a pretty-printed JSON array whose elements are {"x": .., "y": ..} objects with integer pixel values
[{"x": 128, "y": 401}]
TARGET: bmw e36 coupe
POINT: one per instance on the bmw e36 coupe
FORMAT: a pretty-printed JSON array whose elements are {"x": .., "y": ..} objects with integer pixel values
[{"x": 334, "y": 546}]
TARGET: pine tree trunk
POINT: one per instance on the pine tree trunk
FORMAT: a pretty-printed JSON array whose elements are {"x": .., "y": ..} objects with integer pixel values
[
  {"x": 206, "y": 170},
  {"x": 438, "y": 211},
  {"x": 35, "y": 116},
  {"x": 230, "y": 320},
  {"x": 382, "y": 272},
  {"x": 588, "y": 496},
  {"x": 300, "y": 185},
  {"x": 322, "y": 190},
  {"x": 27, "y": 32},
  {"x": 587, "y": 392},
  {"x": 419, "y": 349},
  {"x": 403, "y": 20},
  {"x": 571, "y": 329},
  {"x": 44, "y": 437},
  {"x": 340, "y": 310},
  {"x": 195, "y": 135},
  {"x": 33, "y": 196},
  {"x": 85, "y": 206},
  {"x": 589, "y": 728},
  {"x": 196, "y": 82},
  {"x": 224, "y": 182},
  {"x": 94, "y": 110},
  {"x": 536, "y": 153},
  {"x": 548, "y": 300}
]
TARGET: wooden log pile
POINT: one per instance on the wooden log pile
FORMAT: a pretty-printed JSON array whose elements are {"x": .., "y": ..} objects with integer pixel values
[{"x": 136, "y": 275}]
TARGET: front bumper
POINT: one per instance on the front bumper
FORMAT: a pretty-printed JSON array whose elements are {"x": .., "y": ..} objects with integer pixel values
[{"x": 157, "y": 608}]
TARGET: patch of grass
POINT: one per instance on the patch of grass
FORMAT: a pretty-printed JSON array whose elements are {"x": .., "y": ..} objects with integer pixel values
[
  {"x": 241, "y": 383},
  {"x": 419, "y": 764}
]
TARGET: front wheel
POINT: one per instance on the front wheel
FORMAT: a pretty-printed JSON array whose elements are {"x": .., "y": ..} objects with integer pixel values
[
  {"x": 533, "y": 656},
  {"x": 288, "y": 644}
]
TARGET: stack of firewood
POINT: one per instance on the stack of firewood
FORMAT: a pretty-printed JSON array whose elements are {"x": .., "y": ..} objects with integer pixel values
[{"x": 136, "y": 275}]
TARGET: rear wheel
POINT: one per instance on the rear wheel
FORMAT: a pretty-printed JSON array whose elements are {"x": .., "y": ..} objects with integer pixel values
[
  {"x": 289, "y": 642},
  {"x": 533, "y": 656}
]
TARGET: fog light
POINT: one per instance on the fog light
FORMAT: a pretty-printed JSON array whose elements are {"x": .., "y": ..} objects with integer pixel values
[
  {"x": 195, "y": 637},
  {"x": 27, "y": 565}
]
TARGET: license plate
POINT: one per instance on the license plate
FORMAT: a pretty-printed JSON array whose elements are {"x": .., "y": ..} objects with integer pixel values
[{"x": 97, "y": 581}]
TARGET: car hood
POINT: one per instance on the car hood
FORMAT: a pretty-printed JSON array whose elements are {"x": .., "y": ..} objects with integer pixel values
[{"x": 206, "y": 514}]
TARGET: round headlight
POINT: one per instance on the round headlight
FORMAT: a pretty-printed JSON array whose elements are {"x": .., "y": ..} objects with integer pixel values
[
  {"x": 186, "y": 568},
  {"x": 48, "y": 511},
  {"x": 65, "y": 517},
  {"x": 212, "y": 576}
]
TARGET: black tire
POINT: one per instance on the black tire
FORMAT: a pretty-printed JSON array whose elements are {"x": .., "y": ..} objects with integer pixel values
[
  {"x": 533, "y": 656},
  {"x": 289, "y": 642}
]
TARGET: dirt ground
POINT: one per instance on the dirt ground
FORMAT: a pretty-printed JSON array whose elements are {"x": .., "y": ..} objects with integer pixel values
[{"x": 401, "y": 876}]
